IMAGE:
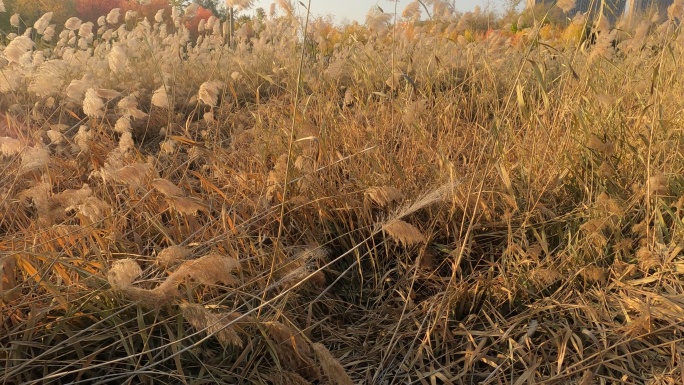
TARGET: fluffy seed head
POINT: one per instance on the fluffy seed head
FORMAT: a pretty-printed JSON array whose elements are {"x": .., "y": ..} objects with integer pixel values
[
  {"x": 41, "y": 24},
  {"x": 214, "y": 324},
  {"x": 14, "y": 20},
  {"x": 404, "y": 233},
  {"x": 566, "y": 5},
  {"x": 377, "y": 20},
  {"x": 93, "y": 106},
  {"x": 72, "y": 23},
  {"x": 167, "y": 188},
  {"x": 17, "y": 48},
  {"x": 160, "y": 98},
  {"x": 113, "y": 16},
  {"x": 212, "y": 269},
  {"x": 34, "y": 158},
  {"x": 209, "y": 92},
  {"x": 10, "y": 146},
  {"x": 117, "y": 59},
  {"x": 172, "y": 254},
  {"x": 123, "y": 273}
]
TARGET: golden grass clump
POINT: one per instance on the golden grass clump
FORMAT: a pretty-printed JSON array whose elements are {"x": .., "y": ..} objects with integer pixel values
[{"x": 438, "y": 196}]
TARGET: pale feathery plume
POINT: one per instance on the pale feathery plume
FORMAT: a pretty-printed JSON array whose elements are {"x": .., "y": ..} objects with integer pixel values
[
  {"x": 130, "y": 15},
  {"x": 412, "y": 11},
  {"x": 41, "y": 24},
  {"x": 48, "y": 78},
  {"x": 134, "y": 175},
  {"x": 218, "y": 325},
  {"x": 126, "y": 142},
  {"x": 72, "y": 23},
  {"x": 71, "y": 197},
  {"x": 102, "y": 21},
  {"x": 384, "y": 195},
  {"x": 240, "y": 5},
  {"x": 175, "y": 15},
  {"x": 209, "y": 92},
  {"x": 49, "y": 33},
  {"x": 122, "y": 274},
  {"x": 294, "y": 349},
  {"x": 93, "y": 106},
  {"x": 129, "y": 106},
  {"x": 285, "y": 5},
  {"x": 34, "y": 158},
  {"x": 167, "y": 188},
  {"x": 106, "y": 93},
  {"x": 86, "y": 30},
  {"x": 331, "y": 366},
  {"x": 604, "y": 45},
  {"x": 414, "y": 111},
  {"x": 2, "y": 6},
  {"x": 186, "y": 205},
  {"x": 212, "y": 269},
  {"x": 377, "y": 20},
  {"x": 675, "y": 10},
  {"x": 211, "y": 22},
  {"x": 602, "y": 24},
  {"x": 159, "y": 16},
  {"x": 77, "y": 88},
  {"x": 55, "y": 137},
  {"x": 566, "y": 5},
  {"x": 82, "y": 139},
  {"x": 10, "y": 80},
  {"x": 95, "y": 209},
  {"x": 403, "y": 232},
  {"x": 123, "y": 125},
  {"x": 18, "y": 48},
  {"x": 113, "y": 16},
  {"x": 168, "y": 146},
  {"x": 39, "y": 193},
  {"x": 160, "y": 98},
  {"x": 117, "y": 59},
  {"x": 442, "y": 10},
  {"x": 10, "y": 146},
  {"x": 172, "y": 254},
  {"x": 14, "y": 20},
  {"x": 191, "y": 10},
  {"x": 83, "y": 43}
]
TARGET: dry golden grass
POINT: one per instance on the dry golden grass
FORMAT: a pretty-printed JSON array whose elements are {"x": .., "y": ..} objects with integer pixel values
[{"x": 411, "y": 205}]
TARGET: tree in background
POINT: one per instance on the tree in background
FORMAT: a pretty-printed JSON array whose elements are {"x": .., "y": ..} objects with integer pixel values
[
  {"x": 214, "y": 6},
  {"x": 192, "y": 23},
  {"x": 91, "y": 10}
]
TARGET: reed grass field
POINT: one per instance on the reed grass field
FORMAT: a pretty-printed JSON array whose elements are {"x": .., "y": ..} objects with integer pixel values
[{"x": 413, "y": 200}]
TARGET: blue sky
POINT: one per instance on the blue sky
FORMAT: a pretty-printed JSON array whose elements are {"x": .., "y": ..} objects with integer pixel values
[{"x": 356, "y": 9}]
